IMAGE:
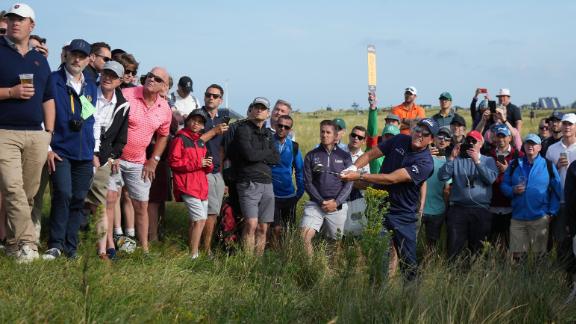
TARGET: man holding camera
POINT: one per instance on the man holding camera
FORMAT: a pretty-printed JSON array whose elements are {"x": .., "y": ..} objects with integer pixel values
[
  {"x": 468, "y": 218},
  {"x": 70, "y": 162}
]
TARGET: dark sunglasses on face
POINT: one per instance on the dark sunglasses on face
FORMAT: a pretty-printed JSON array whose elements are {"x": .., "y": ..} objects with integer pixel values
[
  {"x": 154, "y": 77},
  {"x": 104, "y": 58},
  {"x": 109, "y": 74},
  {"x": 286, "y": 127},
  {"x": 354, "y": 135},
  {"x": 422, "y": 131},
  {"x": 129, "y": 71},
  {"x": 543, "y": 127},
  {"x": 471, "y": 140},
  {"x": 212, "y": 95},
  {"x": 443, "y": 138}
]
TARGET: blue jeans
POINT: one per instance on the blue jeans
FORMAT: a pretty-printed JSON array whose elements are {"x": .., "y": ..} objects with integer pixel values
[{"x": 70, "y": 185}]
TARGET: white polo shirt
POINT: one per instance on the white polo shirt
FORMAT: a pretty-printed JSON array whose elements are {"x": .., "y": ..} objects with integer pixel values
[{"x": 553, "y": 155}]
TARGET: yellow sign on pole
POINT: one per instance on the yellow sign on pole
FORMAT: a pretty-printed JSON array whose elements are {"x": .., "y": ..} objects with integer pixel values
[{"x": 372, "y": 68}]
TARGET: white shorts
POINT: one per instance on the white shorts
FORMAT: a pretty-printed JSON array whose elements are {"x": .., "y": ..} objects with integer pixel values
[
  {"x": 197, "y": 209},
  {"x": 130, "y": 175},
  {"x": 315, "y": 218}
]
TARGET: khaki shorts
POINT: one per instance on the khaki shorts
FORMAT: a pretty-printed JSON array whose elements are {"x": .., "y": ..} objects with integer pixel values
[
  {"x": 332, "y": 223},
  {"x": 529, "y": 235},
  {"x": 97, "y": 194}
]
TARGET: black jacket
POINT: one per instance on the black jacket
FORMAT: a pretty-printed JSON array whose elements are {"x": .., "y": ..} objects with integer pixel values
[
  {"x": 252, "y": 152},
  {"x": 112, "y": 141}
]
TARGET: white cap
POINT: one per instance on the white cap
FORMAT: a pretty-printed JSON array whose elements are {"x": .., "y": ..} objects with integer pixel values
[
  {"x": 22, "y": 10},
  {"x": 503, "y": 92},
  {"x": 571, "y": 118},
  {"x": 412, "y": 90}
]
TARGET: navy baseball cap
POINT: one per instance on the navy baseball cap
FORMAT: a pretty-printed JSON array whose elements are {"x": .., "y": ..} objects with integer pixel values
[
  {"x": 431, "y": 124},
  {"x": 80, "y": 45}
]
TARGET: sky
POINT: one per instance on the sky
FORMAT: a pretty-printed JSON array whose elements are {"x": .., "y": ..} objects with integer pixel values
[{"x": 313, "y": 53}]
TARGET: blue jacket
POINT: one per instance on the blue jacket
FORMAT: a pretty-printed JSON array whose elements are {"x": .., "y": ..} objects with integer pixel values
[
  {"x": 66, "y": 143},
  {"x": 282, "y": 172},
  {"x": 471, "y": 183},
  {"x": 322, "y": 186},
  {"x": 542, "y": 195}
]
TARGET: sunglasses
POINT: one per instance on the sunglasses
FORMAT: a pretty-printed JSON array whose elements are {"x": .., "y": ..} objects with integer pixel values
[
  {"x": 156, "y": 78},
  {"x": 422, "y": 131},
  {"x": 354, "y": 135},
  {"x": 104, "y": 58},
  {"x": 129, "y": 71},
  {"x": 212, "y": 95},
  {"x": 544, "y": 128},
  {"x": 286, "y": 127},
  {"x": 444, "y": 138},
  {"x": 471, "y": 140}
]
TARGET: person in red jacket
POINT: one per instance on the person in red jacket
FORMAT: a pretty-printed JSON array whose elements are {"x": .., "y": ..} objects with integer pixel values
[{"x": 190, "y": 161}]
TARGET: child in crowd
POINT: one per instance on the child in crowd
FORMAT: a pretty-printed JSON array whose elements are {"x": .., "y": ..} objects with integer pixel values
[{"x": 190, "y": 163}]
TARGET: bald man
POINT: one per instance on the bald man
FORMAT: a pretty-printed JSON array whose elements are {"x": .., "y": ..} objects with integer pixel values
[{"x": 149, "y": 114}]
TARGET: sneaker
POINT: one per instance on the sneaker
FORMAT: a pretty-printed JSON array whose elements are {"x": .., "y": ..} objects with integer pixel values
[
  {"x": 127, "y": 244},
  {"x": 111, "y": 254},
  {"x": 26, "y": 254},
  {"x": 51, "y": 254},
  {"x": 194, "y": 256},
  {"x": 2, "y": 245}
]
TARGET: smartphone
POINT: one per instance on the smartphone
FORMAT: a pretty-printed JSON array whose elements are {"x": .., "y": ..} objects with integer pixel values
[
  {"x": 483, "y": 90},
  {"x": 563, "y": 155},
  {"x": 208, "y": 154},
  {"x": 492, "y": 106},
  {"x": 464, "y": 147},
  {"x": 501, "y": 159},
  {"x": 226, "y": 120}
]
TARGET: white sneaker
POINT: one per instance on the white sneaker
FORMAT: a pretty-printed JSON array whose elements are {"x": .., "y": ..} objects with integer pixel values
[
  {"x": 26, "y": 254},
  {"x": 51, "y": 254}
]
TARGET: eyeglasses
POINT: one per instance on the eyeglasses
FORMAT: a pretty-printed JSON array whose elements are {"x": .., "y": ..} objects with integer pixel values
[
  {"x": 354, "y": 135},
  {"x": 212, "y": 95},
  {"x": 444, "y": 138},
  {"x": 104, "y": 58},
  {"x": 131, "y": 72},
  {"x": 2, "y": 31},
  {"x": 422, "y": 131},
  {"x": 543, "y": 127},
  {"x": 156, "y": 78},
  {"x": 110, "y": 74},
  {"x": 286, "y": 127}
]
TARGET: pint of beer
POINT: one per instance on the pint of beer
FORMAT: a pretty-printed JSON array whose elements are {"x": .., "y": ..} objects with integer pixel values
[{"x": 27, "y": 78}]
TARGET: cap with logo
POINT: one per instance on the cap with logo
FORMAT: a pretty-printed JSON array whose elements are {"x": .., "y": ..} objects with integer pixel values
[
  {"x": 445, "y": 130},
  {"x": 340, "y": 123},
  {"x": 260, "y": 101},
  {"x": 457, "y": 119},
  {"x": 196, "y": 112},
  {"x": 80, "y": 45},
  {"x": 533, "y": 138},
  {"x": 501, "y": 129},
  {"x": 503, "y": 92},
  {"x": 556, "y": 115},
  {"x": 445, "y": 96},
  {"x": 185, "y": 83},
  {"x": 21, "y": 9},
  {"x": 475, "y": 135},
  {"x": 390, "y": 130},
  {"x": 115, "y": 67},
  {"x": 412, "y": 90},
  {"x": 429, "y": 123},
  {"x": 571, "y": 118}
]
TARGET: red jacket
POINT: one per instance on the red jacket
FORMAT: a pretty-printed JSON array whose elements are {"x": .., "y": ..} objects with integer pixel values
[{"x": 185, "y": 160}]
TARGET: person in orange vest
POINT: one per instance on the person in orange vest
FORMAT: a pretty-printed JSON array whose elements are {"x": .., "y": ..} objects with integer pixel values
[{"x": 408, "y": 111}]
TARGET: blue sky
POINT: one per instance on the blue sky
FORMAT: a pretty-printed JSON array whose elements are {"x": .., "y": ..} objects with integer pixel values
[{"x": 313, "y": 53}]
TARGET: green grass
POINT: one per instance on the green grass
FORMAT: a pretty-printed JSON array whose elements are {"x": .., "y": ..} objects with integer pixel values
[{"x": 282, "y": 286}]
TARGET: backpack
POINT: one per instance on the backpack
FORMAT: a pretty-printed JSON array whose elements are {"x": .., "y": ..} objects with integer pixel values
[
  {"x": 229, "y": 226},
  {"x": 514, "y": 165}
]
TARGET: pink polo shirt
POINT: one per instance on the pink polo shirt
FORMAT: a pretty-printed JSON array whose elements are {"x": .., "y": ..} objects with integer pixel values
[{"x": 143, "y": 122}]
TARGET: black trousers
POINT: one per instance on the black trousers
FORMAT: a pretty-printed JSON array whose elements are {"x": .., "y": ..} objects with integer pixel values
[{"x": 467, "y": 225}]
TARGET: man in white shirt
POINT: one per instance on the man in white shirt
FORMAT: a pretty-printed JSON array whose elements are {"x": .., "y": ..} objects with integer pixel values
[
  {"x": 184, "y": 101},
  {"x": 355, "y": 219},
  {"x": 562, "y": 154}
]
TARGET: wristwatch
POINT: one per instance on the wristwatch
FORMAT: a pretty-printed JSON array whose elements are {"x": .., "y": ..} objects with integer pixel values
[
  {"x": 362, "y": 173},
  {"x": 156, "y": 158}
]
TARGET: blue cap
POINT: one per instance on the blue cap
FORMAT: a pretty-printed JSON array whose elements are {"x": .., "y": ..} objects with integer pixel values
[
  {"x": 429, "y": 123},
  {"x": 533, "y": 138},
  {"x": 555, "y": 115},
  {"x": 501, "y": 129},
  {"x": 483, "y": 104},
  {"x": 80, "y": 45}
]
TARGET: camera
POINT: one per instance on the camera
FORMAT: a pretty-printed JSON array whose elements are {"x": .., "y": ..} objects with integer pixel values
[
  {"x": 464, "y": 147},
  {"x": 75, "y": 125},
  {"x": 492, "y": 106}
]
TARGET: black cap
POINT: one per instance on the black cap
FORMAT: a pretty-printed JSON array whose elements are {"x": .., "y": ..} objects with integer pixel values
[
  {"x": 556, "y": 115},
  {"x": 458, "y": 120},
  {"x": 196, "y": 112},
  {"x": 185, "y": 83}
]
